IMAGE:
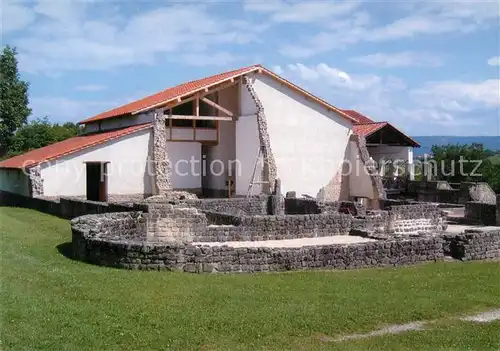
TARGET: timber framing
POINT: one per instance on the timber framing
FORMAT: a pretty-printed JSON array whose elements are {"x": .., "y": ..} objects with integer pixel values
[{"x": 235, "y": 80}]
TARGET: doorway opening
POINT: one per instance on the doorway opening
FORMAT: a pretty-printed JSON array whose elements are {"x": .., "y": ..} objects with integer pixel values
[{"x": 97, "y": 181}]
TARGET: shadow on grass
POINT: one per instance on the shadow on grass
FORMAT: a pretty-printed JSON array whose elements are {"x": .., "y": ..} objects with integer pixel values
[{"x": 66, "y": 250}]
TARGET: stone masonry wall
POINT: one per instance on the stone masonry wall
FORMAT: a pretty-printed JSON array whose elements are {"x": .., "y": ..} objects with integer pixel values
[
  {"x": 257, "y": 228},
  {"x": 408, "y": 219},
  {"x": 197, "y": 259},
  {"x": 167, "y": 222},
  {"x": 270, "y": 163},
  {"x": 481, "y": 213},
  {"x": 473, "y": 245},
  {"x": 35, "y": 181},
  {"x": 163, "y": 167},
  {"x": 255, "y": 205}
]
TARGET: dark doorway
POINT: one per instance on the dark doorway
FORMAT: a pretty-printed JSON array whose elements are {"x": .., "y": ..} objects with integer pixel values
[{"x": 97, "y": 182}]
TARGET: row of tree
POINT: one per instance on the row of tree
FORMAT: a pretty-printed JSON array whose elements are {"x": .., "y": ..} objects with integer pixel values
[
  {"x": 17, "y": 135},
  {"x": 467, "y": 163}
]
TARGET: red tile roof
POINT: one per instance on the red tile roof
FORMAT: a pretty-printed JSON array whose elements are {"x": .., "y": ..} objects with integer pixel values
[
  {"x": 186, "y": 89},
  {"x": 68, "y": 146},
  {"x": 366, "y": 126},
  {"x": 170, "y": 94},
  {"x": 368, "y": 129},
  {"x": 361, "y": 119}
]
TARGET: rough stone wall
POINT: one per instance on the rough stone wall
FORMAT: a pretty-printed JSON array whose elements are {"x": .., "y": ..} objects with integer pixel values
[
  {"x": 371, "y": 166},
  {"x": 127, "y": 198},
  {"x": 269, "y": 161},
  {"x": 162, "y": 165},
  {"x": 481, "y": 213},
  {"x": 473, "y": 245},
  {"x": 498, "y": 210},
  {"x": 167, "y": 222},
  {"x": 35, "y": 181},
  {"x": 338, "y": 187},
  {"x": 410, "y": 219},
  {"x": 257, "y": 228},
  {"x": 311, "y": 206},
  {"x": 196, "y": 259},
  {"x": 255, "y": 205},
  {"x": 479, "y": 192},
  {"x": 402, "y": 220}
]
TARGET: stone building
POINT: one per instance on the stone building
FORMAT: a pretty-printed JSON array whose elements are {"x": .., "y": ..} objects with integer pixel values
[{"x": 232, "y": 134}]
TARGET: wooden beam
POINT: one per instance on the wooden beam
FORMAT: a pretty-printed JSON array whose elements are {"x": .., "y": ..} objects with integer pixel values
[
  {"x": 191, "y": 98},
  {"x": 201, "y": 118},
  {"x": 217, "y": 106},
  {"x": 188, "y": 97},
  {"x": 197, "y": 106}
]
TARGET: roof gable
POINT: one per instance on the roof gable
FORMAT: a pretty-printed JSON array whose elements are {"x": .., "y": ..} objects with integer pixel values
[
  {"x": 366, "y": 127},
  {"x": 176, "y": 93},
  {"x": 68, "y": 146}
]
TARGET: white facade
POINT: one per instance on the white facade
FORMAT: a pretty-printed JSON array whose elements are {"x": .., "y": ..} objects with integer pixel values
[
  {"x": 127, "y": 167},
  {"x": 402, "y": 154},
  {"x": 307, "y": 140},
  {"x": 360, "y": 182},
  {"x": 14, "y": 181},
  {"x": 185, "y": 158}
]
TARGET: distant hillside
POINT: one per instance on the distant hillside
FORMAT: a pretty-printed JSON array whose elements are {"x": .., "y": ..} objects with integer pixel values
[{"x": 492, "y": 143}]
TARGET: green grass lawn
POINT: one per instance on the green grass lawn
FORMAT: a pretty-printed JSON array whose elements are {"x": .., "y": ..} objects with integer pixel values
[{"x": 52, "y": 302}]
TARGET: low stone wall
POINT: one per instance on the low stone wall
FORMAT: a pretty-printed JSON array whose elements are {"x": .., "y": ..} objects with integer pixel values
[
  {"x": 473, "y": 245},
  {"x": 66, "y": 208},
  {"x": 415, "y": 218},
  {"x": 402, "y": 220},
  {"x": 167, "y": 222},
  {"x": 257, "y": 228},
  {"x": 189, "y": 258},
  {"x": 255, "y": 205},
  {"x": 311, "y": 206},
  {"x": 481, "y": 213}
]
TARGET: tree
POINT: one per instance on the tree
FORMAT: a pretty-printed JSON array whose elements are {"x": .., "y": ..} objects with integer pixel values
[
  {"x": 39, "y": 133},
  {"x": 14, "y": 110},
  {"x": 457, "y": 163},
  {"x": 477, "y": 165}
]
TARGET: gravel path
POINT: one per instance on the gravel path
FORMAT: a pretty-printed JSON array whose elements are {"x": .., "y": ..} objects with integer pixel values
[{"x": 325, "y": 240}]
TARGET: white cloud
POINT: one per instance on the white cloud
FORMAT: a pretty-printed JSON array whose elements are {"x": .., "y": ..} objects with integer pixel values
[
  {"x": 494, "y": 61},
  {"x": 62, "y": 109},
  {"x": 302, "y": 12},
  {"x": 90, "y": 87},
  {"x": 417, "y": 111},
  {"x": 456, "y": 95},
  {"x": 75, "y": 35},
  {"x": 14, "y": 16},
  {"x": 333, "y": 77},
  {"x": 209, "y": 59},
  {"x": 399, "y": 59},
  {"x": 429, "y": 18}
]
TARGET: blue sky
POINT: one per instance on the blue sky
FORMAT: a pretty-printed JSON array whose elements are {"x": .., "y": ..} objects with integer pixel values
[{"x": 432, "y": 68}]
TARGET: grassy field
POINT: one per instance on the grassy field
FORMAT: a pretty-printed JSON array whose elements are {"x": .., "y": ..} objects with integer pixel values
[{"x": 51, "y": 302}]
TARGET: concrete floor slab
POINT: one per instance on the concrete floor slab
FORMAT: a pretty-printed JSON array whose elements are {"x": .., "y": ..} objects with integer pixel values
[
  {"x": 318, "y": 241},
  {"x": 460, "y": 228}
]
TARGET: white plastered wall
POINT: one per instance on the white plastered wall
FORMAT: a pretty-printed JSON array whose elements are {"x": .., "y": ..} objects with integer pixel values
[
  {"x": 393, "y": 153},
  {"x": 220, "y": 158},
  {"x": 14, "y": 181},
  {"x": 307, "y": 140},
  {"x": 185, "y": 158},
  {"x": 360, "y": 182},
  {"x": 127, "y": 167},
  {"x": 247, "y": 144}
]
